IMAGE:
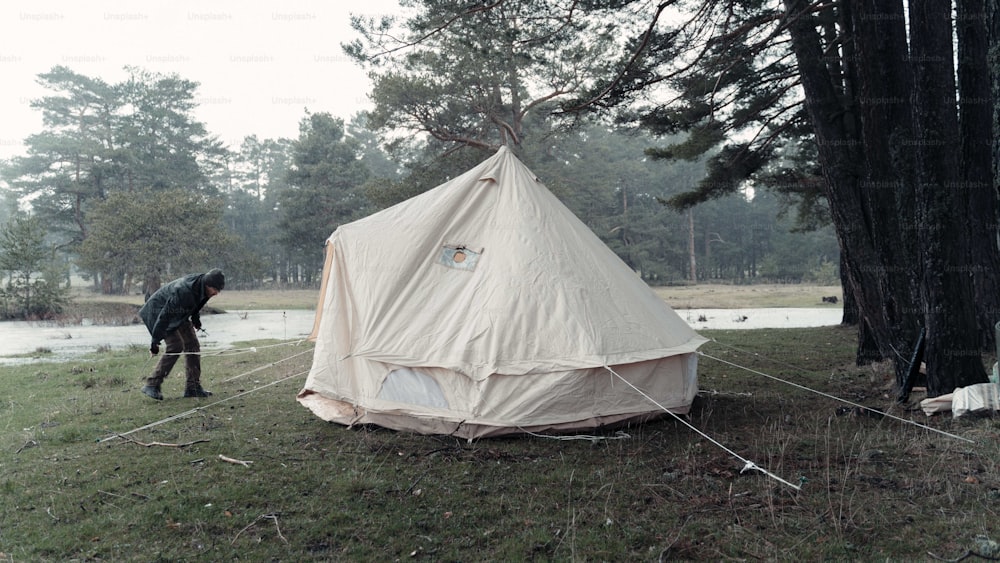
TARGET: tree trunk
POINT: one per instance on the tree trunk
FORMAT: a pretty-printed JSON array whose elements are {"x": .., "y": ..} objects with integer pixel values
[
  {"x": 692, "y": 260},
  {"x": 993, "y": 62},
  {"x": 882, "y": 86},
  {"x": 27, "y": 295},
  {"x": 868, "y": 351},
  {"x": 976, "y": 129},
  {"x": 151, "y": 284},
  {"x": 952, "y": 354},
  {"x": 850, "y": 316},
  {"x": 859, "y": 212}
]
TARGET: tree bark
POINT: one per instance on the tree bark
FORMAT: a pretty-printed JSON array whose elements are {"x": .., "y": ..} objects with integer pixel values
[
  {"x": 151, "y": 284},
  {"x": 862, "y": 216},
  {"x": 952, "y": 354},
  {"x": 850, "y": 316},
  {"x": 976, "y": 124},
  {"x": 868, "y": 351},
  {"x": 992, "y": 17},
  {"x": 882, "y": 87},
  {"x": 692, "y": 261}
]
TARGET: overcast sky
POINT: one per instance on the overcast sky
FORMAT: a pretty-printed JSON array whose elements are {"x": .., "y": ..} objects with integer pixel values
[{"x": 259, "y": 64}]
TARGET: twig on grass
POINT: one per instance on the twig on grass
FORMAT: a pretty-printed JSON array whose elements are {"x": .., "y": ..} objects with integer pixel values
[
  {"x": 164, "y": 444},
  {"x": 414, "y": 484},
  {"x": 136, "y": 495},
  {"x": 28, "y": 444},
  {"x": 276, "y": 528},
  {"x": 666, "y": 550},
  {"x": 236, "y": 461},
  {"x": 269, "y": 516},
  {"x": 967, "y": 555}
]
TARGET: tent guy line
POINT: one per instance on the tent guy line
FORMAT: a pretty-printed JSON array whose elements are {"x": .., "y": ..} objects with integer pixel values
[
  {"x": 747, "y": 464},
  {"x": 265, "y": 366},
  {"x": 233, "y": 351},
  {"x": 204, "y": 407},
  {"x": 619, "y": 435},
  {"x": 835, "y": 398}
]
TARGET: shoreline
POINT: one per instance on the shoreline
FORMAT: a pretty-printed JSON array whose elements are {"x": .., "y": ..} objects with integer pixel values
[{"x": 120, "y": 309}]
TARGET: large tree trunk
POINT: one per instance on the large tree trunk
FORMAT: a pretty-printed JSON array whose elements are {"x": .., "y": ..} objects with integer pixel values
[
  {"x": 865, "y": 216},
  {"x": 868, "y": 351},
  {"x": 882, "y": 95},
  {"x": 993, "y": 62},
  {"x": 976, "y": 108},
  {"x": 952, "y": 353}
]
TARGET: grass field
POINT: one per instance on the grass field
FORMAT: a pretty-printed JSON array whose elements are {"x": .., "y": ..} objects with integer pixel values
[
  {"x": 85, "y": 298},
  {"x": 91, "y": 470},
  {"x": 701, "y": 296},
  {"x": 723, "y": 296}
]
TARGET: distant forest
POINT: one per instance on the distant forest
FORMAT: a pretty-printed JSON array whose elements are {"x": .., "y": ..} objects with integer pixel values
[{"x": 131, "y": 190}]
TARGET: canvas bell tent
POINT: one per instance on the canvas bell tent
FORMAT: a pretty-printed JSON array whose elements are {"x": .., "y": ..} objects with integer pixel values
[{"x": 484, "y": 307}]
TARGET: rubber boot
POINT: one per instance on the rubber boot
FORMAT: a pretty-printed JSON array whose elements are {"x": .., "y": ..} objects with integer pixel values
[
  {"x": 153, "y": 392},
  {"x": 197, "y": 392}
]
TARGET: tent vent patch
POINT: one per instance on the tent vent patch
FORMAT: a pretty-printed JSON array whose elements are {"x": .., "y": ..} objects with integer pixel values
[
  {"x": 406, "y": 385},
  {"x": 459, "y": 257}
]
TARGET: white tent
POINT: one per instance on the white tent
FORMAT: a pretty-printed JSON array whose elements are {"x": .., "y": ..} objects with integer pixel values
[{"x": 485, "y": 307}]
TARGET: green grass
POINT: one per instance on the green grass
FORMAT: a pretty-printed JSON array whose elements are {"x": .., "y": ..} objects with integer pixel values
[{"x": 874, "y": 488}]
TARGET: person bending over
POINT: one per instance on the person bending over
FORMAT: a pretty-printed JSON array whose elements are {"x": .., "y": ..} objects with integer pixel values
[{"x": 172, "y": 315}]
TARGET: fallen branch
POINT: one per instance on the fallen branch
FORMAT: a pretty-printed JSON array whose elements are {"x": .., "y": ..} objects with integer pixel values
[
  {"x": 276, "y": 528},
  {"x": 28, "y": 444},
  {"x": 270, "y": 516},
  {"x": 968, "y": 553},
  {"x": 414, "y": 484},
  {"x": 164, "y": 444},
  {"x": 236, "y": 461}
]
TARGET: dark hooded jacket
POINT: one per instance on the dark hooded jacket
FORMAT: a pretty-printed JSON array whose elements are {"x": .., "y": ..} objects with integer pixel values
[{"x": 172, "y": 304}]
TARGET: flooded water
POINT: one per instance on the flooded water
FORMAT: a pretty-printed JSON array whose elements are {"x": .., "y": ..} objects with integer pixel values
[
  {"x": 785, "y": 317},
  {"x": 18, "y": 338},
  {"x": 67, "y": 342}
]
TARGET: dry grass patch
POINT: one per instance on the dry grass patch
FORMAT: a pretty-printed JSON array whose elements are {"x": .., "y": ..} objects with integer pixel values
[{"x": 724, "y": 296}]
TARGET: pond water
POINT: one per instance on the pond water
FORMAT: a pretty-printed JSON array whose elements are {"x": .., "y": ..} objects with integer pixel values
[
  {"x": 19, "y": 338},
  {"x": 780, "y": 317},
  {"x": 69, "y": 341}
]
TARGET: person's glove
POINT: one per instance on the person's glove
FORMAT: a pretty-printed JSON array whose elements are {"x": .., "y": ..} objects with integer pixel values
[
  {"x": 154, "y": 349},
  {"x": 196, "y": 322}
]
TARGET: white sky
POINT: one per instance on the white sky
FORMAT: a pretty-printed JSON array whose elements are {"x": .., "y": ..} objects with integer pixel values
[{"x": 259, "y": 63}]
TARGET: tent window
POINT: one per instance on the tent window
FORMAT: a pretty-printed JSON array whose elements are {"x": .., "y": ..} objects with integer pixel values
[
  {"x": 406, "y": 385},
  {"x": 459, "y": 257}
]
